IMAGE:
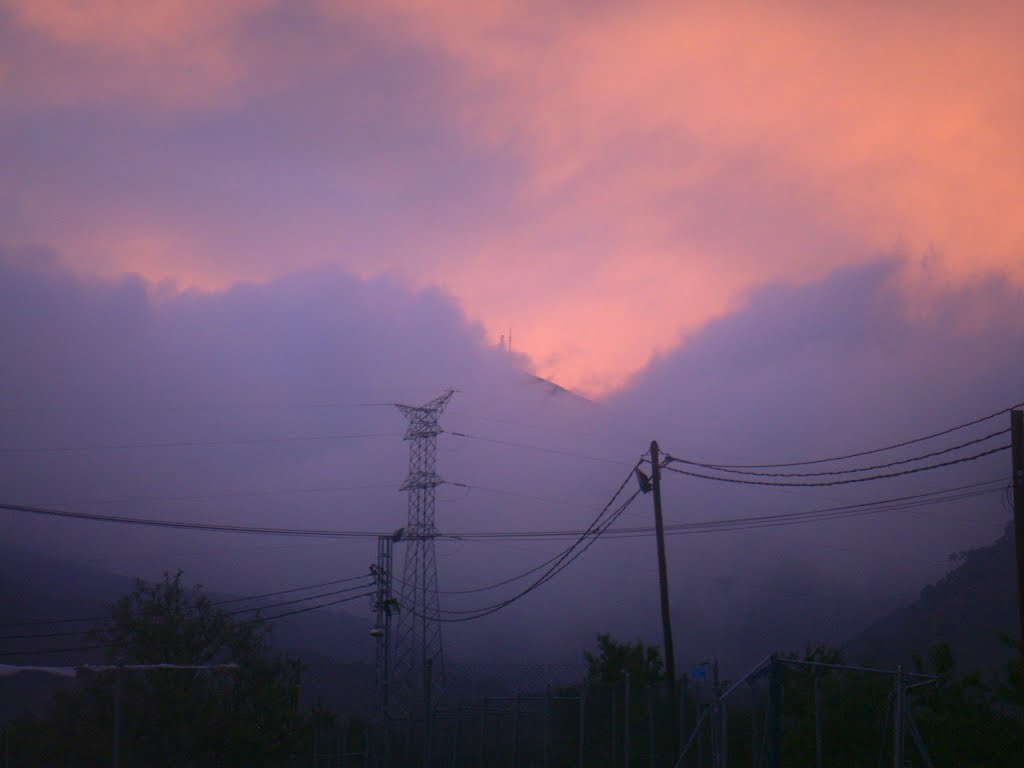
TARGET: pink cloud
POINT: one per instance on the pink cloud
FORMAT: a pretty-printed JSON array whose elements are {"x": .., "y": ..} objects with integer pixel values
[{"x": 660, "y": 160}]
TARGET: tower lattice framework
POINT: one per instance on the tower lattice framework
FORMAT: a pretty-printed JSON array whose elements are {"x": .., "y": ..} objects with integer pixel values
[{"x": 418, "y": 660}]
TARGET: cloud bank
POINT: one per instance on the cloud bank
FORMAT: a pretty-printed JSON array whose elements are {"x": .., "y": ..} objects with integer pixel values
[{"x": 270, "y": 404}]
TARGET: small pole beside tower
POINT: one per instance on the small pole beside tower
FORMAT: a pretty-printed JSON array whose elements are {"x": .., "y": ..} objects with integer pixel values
[{"x": 384, "y": 605}]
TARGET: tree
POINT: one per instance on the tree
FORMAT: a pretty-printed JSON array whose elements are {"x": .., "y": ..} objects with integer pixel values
[
  {"x": 249, "y": 716},
  {"x": 614, "y": 659}
]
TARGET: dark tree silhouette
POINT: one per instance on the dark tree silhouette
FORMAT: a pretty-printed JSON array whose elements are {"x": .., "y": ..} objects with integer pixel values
[{"x": 245, "y": 717}]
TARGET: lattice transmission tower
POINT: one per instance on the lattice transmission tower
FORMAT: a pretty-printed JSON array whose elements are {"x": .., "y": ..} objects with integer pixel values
[{"x": 418, "y": 661}]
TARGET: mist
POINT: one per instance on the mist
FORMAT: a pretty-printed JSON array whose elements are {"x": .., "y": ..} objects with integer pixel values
[{"x": 272, "y": 404}]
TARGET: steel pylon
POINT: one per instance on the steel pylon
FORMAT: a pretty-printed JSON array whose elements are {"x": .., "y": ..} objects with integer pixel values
[{"x": 418, "y": 660}]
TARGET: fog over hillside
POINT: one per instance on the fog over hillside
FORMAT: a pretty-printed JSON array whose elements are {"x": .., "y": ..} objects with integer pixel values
[{"x": 271, "y": 405}]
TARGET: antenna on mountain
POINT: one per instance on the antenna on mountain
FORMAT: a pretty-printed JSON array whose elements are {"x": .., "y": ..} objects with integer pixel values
[
  {"x": 502, "y": 342},
  {"x": 510, "y": 340}
]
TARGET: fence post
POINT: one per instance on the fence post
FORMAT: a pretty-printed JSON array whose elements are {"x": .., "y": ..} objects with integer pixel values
[
  {"x": 898, "y": 717},
  {"x": 547, "y": 724},
  {"x": 651, "y": 726},
  {"x": 818, "y": 756},
  {"x": 753, "y": 723},
  {"x": 625, "y": 723},
  {"x": 515, "y": 734},
  {"x": 684, "y": 685},
  {"x": 775, "y": 714},
  {"x": 723, "y": 711},
  {"x": 118, "y": 675},
  {"x": 613, "y": 721},
  {"x": 483, "y": 732},
  {"x": 583, "y": 715}
]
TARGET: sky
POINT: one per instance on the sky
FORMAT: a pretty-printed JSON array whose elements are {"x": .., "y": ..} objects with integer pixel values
[
  {"x": 232, "y": 235},
  {"x": 602, "y": 179}
]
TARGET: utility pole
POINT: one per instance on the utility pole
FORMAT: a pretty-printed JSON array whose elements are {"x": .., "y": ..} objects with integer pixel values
[
  {"x": 1017, "y": 439},
  {"x": 666, "y": 618},
  {"x": 384, "y": 605}
]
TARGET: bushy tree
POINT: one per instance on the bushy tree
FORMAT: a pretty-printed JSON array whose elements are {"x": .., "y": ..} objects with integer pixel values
[
  {"x": 244, "y": 717},
  {"x": 614, "y": 659}
]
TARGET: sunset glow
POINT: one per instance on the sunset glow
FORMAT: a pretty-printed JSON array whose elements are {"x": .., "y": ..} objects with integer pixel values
[{"x": 603, "y": 179}]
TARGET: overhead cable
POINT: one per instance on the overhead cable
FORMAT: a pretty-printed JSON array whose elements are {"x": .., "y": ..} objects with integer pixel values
[
  {"x": 569, "y": 556},
  {"x": 196, "y": 443},
  {"x": 258, "y": 620},
  {"x": 560, "y": 561},
  {"x": 826, "y": 473},
  {"x": 191, "y": 526},
  {"x": 956, "y": 493},
  {"x": 540, "y": 448},
  {"x": 85, "y": 619},
  {"x": 826, "y": 483},
  {"x": 872, "y": 451}
]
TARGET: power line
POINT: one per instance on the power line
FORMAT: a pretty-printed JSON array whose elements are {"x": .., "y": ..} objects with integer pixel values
[
  {"x": 290, "y": 591},
  {"x": 367, "y": 535},
  {"x": 560, "y": 559},
  {"x": 497, "y": 584},
  {"x": 944, "y": 495},
  {"x": 77, "y": 633},
  {"x": 872, "y": 451},
  {"x": 258, "y": 620},
  {"x": 176, "y": 407},
  {"x": 584, "y": 543},
  {"x": 564, "y": 558},
  {"x": 364, "y": 585},
  {"x": 312, "y": 608},
  {"x": 797, "y": 518},
  {"x": 521, "y": 495},
  {"x": 594, "y": 532},
  {"x": 540, "y": 448},
  {"x": 899, "y": 462},
  {"x": 197, "y": 443},
  {"x": 227, "y": 494},
  {"x": 822, "y": 484},
  {"x": 190, "y": 526},
  {"x": 84, "y": 619}
]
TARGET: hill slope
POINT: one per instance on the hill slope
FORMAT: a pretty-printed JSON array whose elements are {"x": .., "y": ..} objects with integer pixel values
[{"x": 968, "y": 608}]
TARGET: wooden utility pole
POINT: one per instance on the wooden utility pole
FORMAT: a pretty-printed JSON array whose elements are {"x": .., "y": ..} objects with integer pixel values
[
  {"x": 659, "y": 527},
  {"x": 666, "y": 618},
  {"x": 1017, "y": 438}
]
